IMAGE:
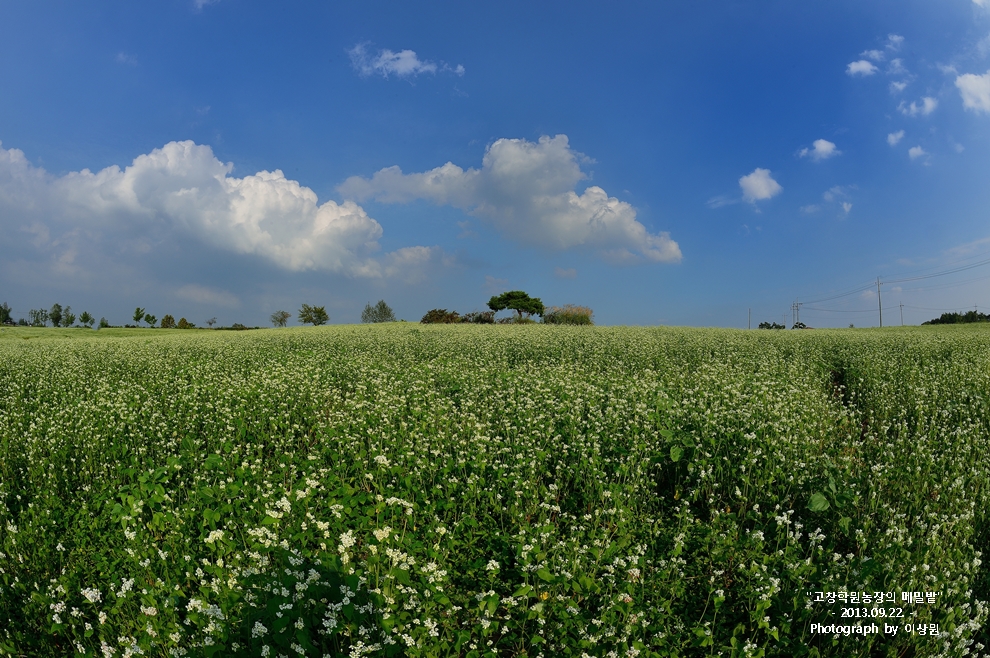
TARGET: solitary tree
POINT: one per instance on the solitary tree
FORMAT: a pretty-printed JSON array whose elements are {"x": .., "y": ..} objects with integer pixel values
[
  {"x": 86, "y": 318},
  {"x": 138, "y": 314},
  {"x": 314, "y": 315},
  {"x": 185, "y": 324},
  {"x": 380, "y": 312},
  {"x": 279, "y": 318},
  {"x": 211, "y": 322},
  {"x": 517, "y": 301},
  {"x": 103, "y": 323},
  {"x": 55, "y": 314},
  {"x": 4, "y": 313},
  {"x": 168, "y": 322},
  {"x": 68, "y": 317},
  {"x": 150, "y": 319}
]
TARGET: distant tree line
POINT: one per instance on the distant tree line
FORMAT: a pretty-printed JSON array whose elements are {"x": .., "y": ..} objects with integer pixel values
[
  {"x": 57, "y": 315},
  {"x": 515, "y": 300},
  {"x": 960, "y": 318}
]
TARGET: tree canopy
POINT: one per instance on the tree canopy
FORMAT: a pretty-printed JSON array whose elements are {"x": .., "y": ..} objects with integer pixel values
[
  {"x": 314, "y": 315},
  {"x": 380, "y": 312},
  {"x": 960, "y": 318},
  {"x": 518, "y": 301}
]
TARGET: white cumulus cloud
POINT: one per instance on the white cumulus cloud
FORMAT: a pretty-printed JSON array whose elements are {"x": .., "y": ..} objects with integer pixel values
[
  {"x": 875, "y": 55},
  {"x": 183, "y": 189},
  {"x": 821, "y": 149},
  {"x": 896, "y": 67},
  {"x": 894, "y": 42},
  {"x": 526, "y": 191},
  {"x": 759, "y": 185},
  {"x": 916, "y": 152},
  {"x": 928, "y": 105},
  {"x": 894, "y": 138},
  {"x": 861, "y": 67},
  {"x": 402, "y": 64},
  {"x": 975, "y": 91}
]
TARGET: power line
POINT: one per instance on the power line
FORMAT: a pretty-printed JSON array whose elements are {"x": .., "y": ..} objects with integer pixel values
[
  {"x": 946, "y": 272},
  {"x": 903, "y": 279}
]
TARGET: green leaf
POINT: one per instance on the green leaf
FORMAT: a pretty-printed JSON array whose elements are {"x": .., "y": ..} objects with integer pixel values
[
  {"x": 675, "y": 453},
  {"x": 844, "y": 524},
  {"x": 819, "y": 503}
]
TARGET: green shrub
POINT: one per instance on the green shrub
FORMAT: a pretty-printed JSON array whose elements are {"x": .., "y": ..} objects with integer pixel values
[
  {"x": 479, "y": 317},
  {"x": 568, "y": 314},
  {"x": 441, "y": 316}
]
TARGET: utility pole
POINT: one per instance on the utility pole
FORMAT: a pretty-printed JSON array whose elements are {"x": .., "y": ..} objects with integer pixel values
[
  {"x": 879, "y": 303},
  {"x": 902, "y": 314},
  {"x": 796, "y": 312}
]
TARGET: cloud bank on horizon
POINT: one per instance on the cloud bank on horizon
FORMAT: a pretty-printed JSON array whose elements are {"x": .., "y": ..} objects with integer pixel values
[{"x": 183, "y": 188}]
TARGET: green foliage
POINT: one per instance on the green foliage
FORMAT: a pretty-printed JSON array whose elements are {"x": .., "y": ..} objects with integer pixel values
[
  {"x": 441, "y": 316},
  {"x": 960, "y": 318},
  {"x": 211, "y": 322},
  {"x": 380, "y": 312},
  {"x": 150, "y": 319},
  {"x": 138, "y": 314},
  {"x": 518, "y": 301},
  {"x": 390, "y": 490},
  {"x": 568, "y": 314},
  {"x": 280, "y": 318},
  {"x": 185, "y": 324},
  {"x": 168, "y": 322},
  {"x": 479, "y": 317},
  {"x": 799, "y": 325},
  {"x": 103, "y": 323},
  {"x": 86, "y": 319},
  {"x": 55, "y": 315},
  {"x": 5, "y": 314},
  {"x": 314, "y": 315},
  {"x": 771, "y": 325},
  {"x": 39, "y": 317}
]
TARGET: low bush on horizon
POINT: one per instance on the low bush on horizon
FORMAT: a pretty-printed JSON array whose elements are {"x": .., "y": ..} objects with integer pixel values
[
  {"x": 568, "y": 314},
  {"x": 405, "y": 490}
]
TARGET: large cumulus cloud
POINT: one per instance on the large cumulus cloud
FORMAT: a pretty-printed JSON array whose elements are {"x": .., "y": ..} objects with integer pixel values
[
  {"x": 526, "y": 190},
  {"x": 183, "y": 189}
]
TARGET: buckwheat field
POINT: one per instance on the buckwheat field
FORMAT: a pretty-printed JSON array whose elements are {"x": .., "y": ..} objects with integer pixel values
[{"x": 407, "y": 490}]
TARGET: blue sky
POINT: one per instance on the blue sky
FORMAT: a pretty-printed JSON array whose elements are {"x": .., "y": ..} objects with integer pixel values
[{"x": 663, "y": 163}]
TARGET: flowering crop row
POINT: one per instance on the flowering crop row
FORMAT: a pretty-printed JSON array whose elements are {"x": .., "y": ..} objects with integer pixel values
[{"x": 486, "y": 490}]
